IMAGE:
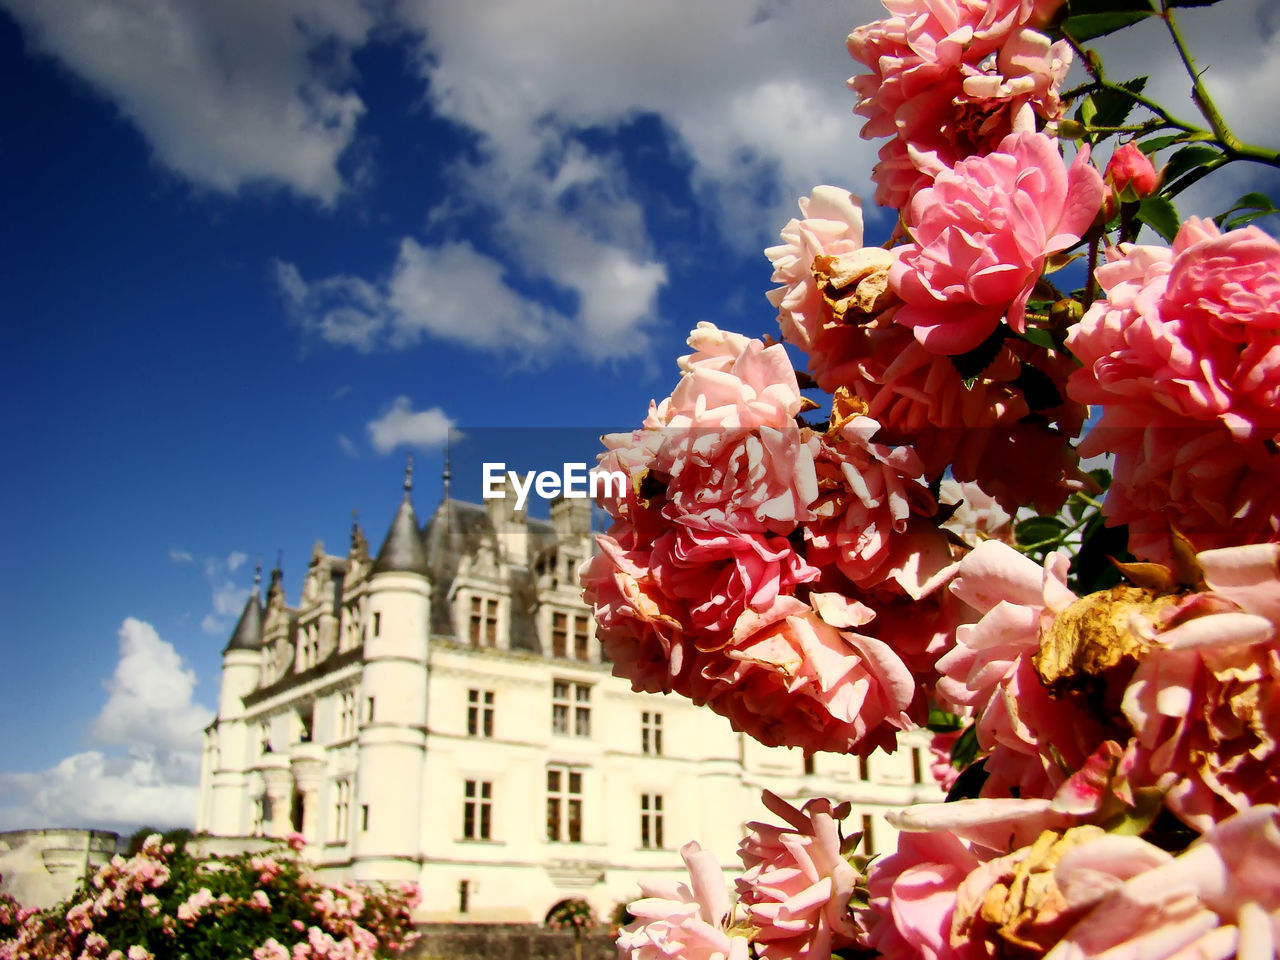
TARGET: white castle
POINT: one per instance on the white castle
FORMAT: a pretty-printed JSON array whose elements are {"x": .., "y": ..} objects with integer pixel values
[{"x": 442, "y": 713}]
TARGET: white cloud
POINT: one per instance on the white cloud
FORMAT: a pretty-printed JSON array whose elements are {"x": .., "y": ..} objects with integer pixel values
[
  {"x": 236, "y": 559},
  {"x": 754, "y": 98},
  {"x": 754, "y": 94},
  {"x": 151, "y": 695},
  {"x": 347, "y": 446},
  {"x": 228, "y": 93},
  {"x": 1239, "y": 55},
  {"x": 402, "y": 426},
  {"x": 148, "y": 769},
  {"x": 342, "y": 310},
  {"x": 180, "y": 556}
]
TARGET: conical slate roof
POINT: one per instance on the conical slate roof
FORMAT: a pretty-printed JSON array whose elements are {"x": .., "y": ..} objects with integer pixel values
[
  {"x": 248, "y": 632},
  {"x": 402, "y": 550}
]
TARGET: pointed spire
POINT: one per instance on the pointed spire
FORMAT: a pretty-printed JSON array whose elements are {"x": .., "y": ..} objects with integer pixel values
[
  {"x": 248, "y": 632},
  {"x": 402, "y": 550},
  {"x": 447, "y": 474}
]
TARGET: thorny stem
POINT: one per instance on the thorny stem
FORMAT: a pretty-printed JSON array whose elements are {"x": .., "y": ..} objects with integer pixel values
[
  {"x": 1090, "y": 290},
  {"x": 1218, "y": 130},
  {"x": 1230, "y": 143},
  {"x": 1199, "y": 95}
]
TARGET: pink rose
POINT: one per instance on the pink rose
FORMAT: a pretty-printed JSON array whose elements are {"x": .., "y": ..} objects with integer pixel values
[
  {"x": 947, "y": 81},
  {"x": 797, "y": 885},
  {"x": 991, "y": 670},
  {"x": 981, "y": 234},
  {"x": 913, "y": 899},
  {"x": 814, "y": 681},
  {"x": 1204, "y": 702},
  {"x": 685, "y": 921},
  {"x": 832, "y": 284},
  {"x": 1129, "y": 169},
  {"x": 1220, "y": 898},
  {"x": 1182, "y": 357},
  {"x": 875, "y": 520}
]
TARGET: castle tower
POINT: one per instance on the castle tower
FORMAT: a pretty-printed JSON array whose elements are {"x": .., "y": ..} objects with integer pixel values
[
  {"x": 386, "y": 831},
  {"x": 241, "y": 665}
]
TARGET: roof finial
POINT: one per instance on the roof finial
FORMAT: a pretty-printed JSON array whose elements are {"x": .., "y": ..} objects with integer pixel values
[
  {"x": 257, "y": 575},
  {"x": 447, "y": 474},
  {"x": 408, "y": 474},
  {"x": 279, "y": 558}
]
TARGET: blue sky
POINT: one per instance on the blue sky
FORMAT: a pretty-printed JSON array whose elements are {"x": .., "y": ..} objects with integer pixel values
[{"x": 256, "y": 253}]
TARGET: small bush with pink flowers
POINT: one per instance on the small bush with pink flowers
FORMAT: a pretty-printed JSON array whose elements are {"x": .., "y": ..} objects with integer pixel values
[
  {"x": 905, "y": 531},
  {"x": 164, "y": 902}
]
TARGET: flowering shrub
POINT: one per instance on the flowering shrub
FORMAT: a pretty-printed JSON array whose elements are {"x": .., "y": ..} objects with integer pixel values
[
  {"x": 163, "y": 903},
  {"x": 1097, "y": 652}
]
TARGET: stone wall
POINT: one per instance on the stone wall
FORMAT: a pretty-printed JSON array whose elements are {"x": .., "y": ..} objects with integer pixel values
[
  {"x": 506, "y": 941},
  {"x": 41, "y": 867}
]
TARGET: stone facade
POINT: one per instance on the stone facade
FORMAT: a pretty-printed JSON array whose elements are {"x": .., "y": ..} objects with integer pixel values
[
  {"x": 41, "y": 867},
  {"x": 442, "y": 713}
]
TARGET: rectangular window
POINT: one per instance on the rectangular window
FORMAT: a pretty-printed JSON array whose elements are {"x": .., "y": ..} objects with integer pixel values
[
  {"x": 464, "y": 896},
  {"x": 571, "y": 701},
  {"x": 559, "y": 634},
  {"x": 346, "y": 714},
  {"x": 341, "y": 810},
  {"x": 581, "y": 635},
  {"x": 377, "y": 624},
  {"x": 483, "y": 626},
  {"x": 651, "y": 821},
  {"x": 368, "y": 710},
  {"x": 917, "y": 767},
  {"x": 477, "y": 809},
  {"x": 306, "y": 722},
  {"x": 564, "y": 805},
  {"x": 480, "y": 713},
  {"x": 364, "y": 816},
  {"x": 864, "y": 771},
  {"x": 808, "y": 765},
  {"x": 868, "y": 841},
  {"x": 651, "y": 733}
]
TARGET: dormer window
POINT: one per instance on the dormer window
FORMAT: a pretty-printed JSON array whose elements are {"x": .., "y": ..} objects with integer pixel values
[{"x": 483, "y": 623}]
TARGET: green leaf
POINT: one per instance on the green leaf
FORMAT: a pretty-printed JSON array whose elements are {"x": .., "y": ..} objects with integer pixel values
[
  {"x": 1040, "y": 337},
  {"x": 1113, "y": 106},
  {"x": 1247, "y": 209},
  {"x": 1087, "y": 26},
  {"x": 1075, "y": 7},
  {"x": 1038, "y": 530},
  {"x": 1188, "y": 158},
  {"x": 940, "y": 721},
  {"x": 1160, "y": 215},
  {"x": 1038, "y": 388},
  {"x": 1101, "y": 477},
  {"x": 971, "y": 363},
  {"x": 1158, "y": 143},
  {"x": 965, "y": 750},
  {"x": 1092, "y": 569},
  {"x": 1087, "y": 111}
]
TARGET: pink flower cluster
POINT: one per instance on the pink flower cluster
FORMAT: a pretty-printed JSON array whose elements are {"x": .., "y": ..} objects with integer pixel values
[
  {"x": 706, "y": 583},
  {"x": 1073, "y": 892},
  {"x": 793, "y": 897},
  {"x": 981, "y": 234},
  {"x": 948, "y": 78},
  {"x": 1181, "y": 356},
  {"x": 836, "y": 303},
  {"x": 138, "y": 908},
  {"x": 1188, "y": 682}
]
